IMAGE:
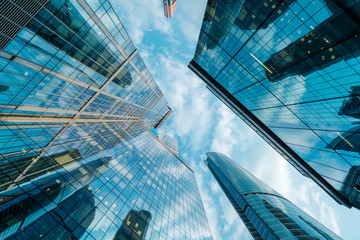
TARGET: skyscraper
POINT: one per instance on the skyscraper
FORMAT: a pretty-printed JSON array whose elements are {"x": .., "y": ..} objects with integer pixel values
[
  {"x": 134, "y": 226},
  {"x": 285, "y": 68},
  {"x": 265, "y": 213},
  {"x": 169, "y": 7},
  {"x": 351, "y": 106},
  {"x": 76, "y": 152},
  {"x": 351, "y": 185}
]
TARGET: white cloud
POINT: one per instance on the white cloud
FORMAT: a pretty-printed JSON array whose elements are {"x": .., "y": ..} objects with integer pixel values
[
  {"x": 274, "y": 170},
  {"x": 193, "y": 113},
  {"x": 226, "y": 134},
  {"x": 190, "y": 14},
  {"x": 148, "y": 16},
  {"x": 327, "y": 215},
  {"x": 142, "y": 16},
  {"x": 229, "y": 216},
  {"x": 215, "y": 188},
  {"x": 210, "y": 206}
]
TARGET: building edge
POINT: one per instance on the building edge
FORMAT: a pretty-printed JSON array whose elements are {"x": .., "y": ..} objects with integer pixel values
[{"x": 167, "y": 148}]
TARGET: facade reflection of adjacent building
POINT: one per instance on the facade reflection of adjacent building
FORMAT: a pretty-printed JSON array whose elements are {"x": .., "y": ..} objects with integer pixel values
[
  {"x": 265, "y": 213},
  {"x": 22, "y": 205},
  {"x": 256, "y": 14},
  {"x": 351, "y": 106},
  {"x": 23, "y": 169},
  {"x": 347, "y": 141},
  {"x": 350, "y": 187},
  {"x": 69, "y": 220},
  {"x": 134, "y": 226},
  {"x": 332, "y": 41},
  {"x": 3, "y": 88},
  {"x": 247, "y": 15},
  {"x": 80, "y": 45}
]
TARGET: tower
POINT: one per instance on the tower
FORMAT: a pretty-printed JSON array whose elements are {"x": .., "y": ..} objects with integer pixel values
[
  {"x": 266, "y": 213},
  {"x": 286, "y": 74}
]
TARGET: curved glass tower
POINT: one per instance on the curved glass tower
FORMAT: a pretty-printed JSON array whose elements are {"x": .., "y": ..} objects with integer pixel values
[{"x": 266, "y": 213}]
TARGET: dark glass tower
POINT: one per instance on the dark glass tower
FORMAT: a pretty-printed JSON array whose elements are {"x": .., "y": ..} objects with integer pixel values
[
  {"x": 351, "y": 106},
  {"x": 12, "y": 167},
  {"x": 351, "y": 186},
  {"x": 348, "y": 141},
  {"x": 286, "y": 68},
  {"x": 134, "y": 226},
  {"x": 266, "y": 213},
  {"x": 333, "y": 40},
  {"x": 69, "y": 220},
  {"x": 21, "y": 207},
  {"x": 77, "y": 103}
]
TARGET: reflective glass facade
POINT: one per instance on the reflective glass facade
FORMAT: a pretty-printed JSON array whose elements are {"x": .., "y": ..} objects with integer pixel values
[
  {"x": 170, "y": 142},
  {"x": 265, "y": 213},
  {"x": 137, "y": 189},
  {"x": 290, "y": 69},
  {"x": 77, "y": 159}
]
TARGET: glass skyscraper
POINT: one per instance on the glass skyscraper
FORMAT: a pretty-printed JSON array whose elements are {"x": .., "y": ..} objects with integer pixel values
[
  {"x": 77, "y": 159},
  {"x": 265, "y": 213},
  {"x": 290, "y": 70}
]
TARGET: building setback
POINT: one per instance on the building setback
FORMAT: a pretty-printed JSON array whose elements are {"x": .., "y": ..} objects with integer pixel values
[
  {"x": 170, "y": 142},
  {"x": 76, "y": 153},
  {"x": 290, "y": 68},
  {"x": 265, "y": 213}
]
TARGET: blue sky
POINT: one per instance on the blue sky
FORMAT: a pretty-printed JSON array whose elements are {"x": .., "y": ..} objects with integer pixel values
[{"x": 201, "y": 123}]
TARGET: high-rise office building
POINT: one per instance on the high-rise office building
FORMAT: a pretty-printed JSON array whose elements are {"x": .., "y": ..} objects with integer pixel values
[
  {"x": 134, "y": 226},
  {"x": 351, "y": 106},
  {"x": 169, "y": 7},
  {"x": 351, "y": 186},
  {"x": 265, "y": 213},
  {"x": 285, "y": 68},
  {"x": 76, "y": 152}
]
